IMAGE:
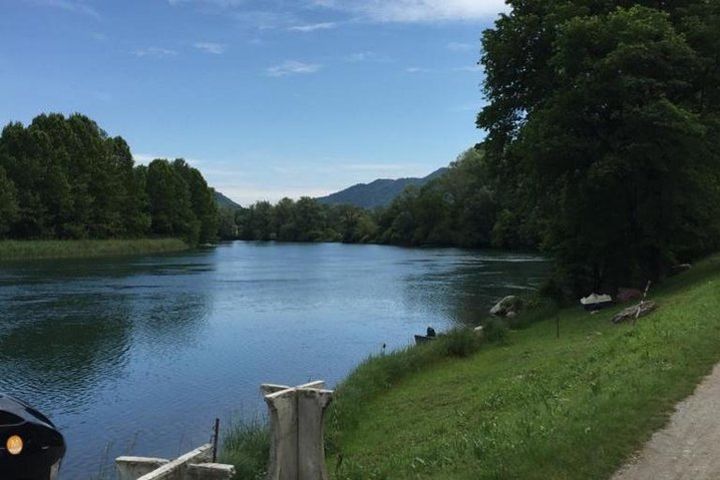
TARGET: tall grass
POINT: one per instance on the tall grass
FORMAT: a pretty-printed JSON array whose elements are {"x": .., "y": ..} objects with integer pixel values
[
  {"x": 39, "y": 249},
  {"x": 247, "y": 446}
]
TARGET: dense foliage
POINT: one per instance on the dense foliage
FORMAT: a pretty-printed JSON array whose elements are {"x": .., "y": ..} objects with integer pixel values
[
  {"x": 304, "y": 220},
  {"x": 456, "y": 208},
  {"x": 603, "y": 134},
  {"x": 64, "y": 178}
]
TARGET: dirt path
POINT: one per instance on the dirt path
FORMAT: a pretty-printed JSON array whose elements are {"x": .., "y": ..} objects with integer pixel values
[{"x": 689, "y": 447}]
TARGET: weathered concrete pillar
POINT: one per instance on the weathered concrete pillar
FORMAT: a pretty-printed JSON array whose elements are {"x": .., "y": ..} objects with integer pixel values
[
  {"x": 297, "y": 450},
  {"x": 210, "y": 471},
  {"x": 132, "y": 468},
  {"x": 186, "y": 467}
]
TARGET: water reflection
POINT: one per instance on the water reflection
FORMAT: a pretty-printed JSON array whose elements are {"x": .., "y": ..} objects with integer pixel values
[{"x": 139, "y": 355}]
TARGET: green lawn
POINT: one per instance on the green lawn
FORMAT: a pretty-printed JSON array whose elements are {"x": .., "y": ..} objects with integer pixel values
[
  {"x": 538, "y": 407},
  {"x": 37, "y": 249}
]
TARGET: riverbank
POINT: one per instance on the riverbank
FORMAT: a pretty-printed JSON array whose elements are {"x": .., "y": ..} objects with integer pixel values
[
  {"x": 530, "y": 405},
  {"x": 540, "y": 407},
  {"x": 48, "y": 249}
]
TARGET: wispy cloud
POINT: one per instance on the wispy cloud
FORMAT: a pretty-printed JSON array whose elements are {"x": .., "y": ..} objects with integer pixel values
[
  {"x": 418, "y": 10},
  {"x": 293, "y": 67},
  {"x": 74, "y": 6},
  {"x": 460, "y": 47},
  {"x": 469, "y": 68},
  {"x": 217, "y": 3},
  {"x": 258, "y": 15},
  {"x": 366, "y": 57},
  {"x": 379, "y": 167},
  {"x": 417, "y": 70},
  {"x": 210, "y": 47},
  {"x": 313, "y": 27},
  {"x": 154, "y": 52},
  {"x": 146, "y": 158}
]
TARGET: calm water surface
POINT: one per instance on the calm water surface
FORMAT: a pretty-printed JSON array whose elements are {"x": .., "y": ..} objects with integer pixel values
[{"x": 139, "y": 355}]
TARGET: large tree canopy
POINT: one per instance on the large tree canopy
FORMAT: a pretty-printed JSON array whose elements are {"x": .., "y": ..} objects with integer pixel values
[
  {"x": 66, "y": 178},
  {"x": 602, "y": 133}
]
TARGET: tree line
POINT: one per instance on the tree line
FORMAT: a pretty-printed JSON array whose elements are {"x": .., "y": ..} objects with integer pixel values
[
  {"x": 602, "y": 149},
  {"x": 455, "y": 209},
  {"x": 65, "y": 178}
]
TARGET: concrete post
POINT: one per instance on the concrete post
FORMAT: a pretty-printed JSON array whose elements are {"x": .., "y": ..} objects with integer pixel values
[
  {"x": 210, "y": 471},
  {"x": 297, "y": 451},
  {"x": 132, "y": 468},
  {"x": 186, "y": 467}
]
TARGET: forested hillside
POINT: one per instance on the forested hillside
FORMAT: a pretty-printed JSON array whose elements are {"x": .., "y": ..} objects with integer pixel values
[
  {"x": 456, "y": 208},
  {"x": 379, "y": 193},
  {"x": 65, "y": 178}
]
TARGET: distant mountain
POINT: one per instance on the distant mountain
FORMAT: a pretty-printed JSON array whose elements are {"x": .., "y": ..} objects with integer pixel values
[
  {"x": 224, "y": 202},
  {"x": 379, "y": 193}
]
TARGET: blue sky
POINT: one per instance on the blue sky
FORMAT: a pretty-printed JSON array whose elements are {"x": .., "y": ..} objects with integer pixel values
[{"x": 268, "y": 98}]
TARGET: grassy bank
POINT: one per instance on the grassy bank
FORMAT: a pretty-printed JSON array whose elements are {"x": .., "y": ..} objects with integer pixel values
[
  {"x": 540, "y": 407},
  {"x": 38, "y": 249},
  {"x": 528, "y": 405}
]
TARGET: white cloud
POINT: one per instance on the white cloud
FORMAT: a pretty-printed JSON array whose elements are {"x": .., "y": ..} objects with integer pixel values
[
  {"x": 379, "y": 167},
  {"x": 418, "y": 10},
  {"x": 154, "y": 52},
  {"x": 73, "y": 6},
  {"x": 313, "y": 27},
  {"x": 417, "y": 70},
  {"x": 460, "y": 47},
  {"x": 471, "y": 68},
  {"x": 246, "y": 194},
  {"x": 146, "y": 158},
  {"x": 291, "y": 67},
  {"x": 366, "y": 57},
  {"x": 217, "y": 3},
  {"x": 211, "y": 47}
]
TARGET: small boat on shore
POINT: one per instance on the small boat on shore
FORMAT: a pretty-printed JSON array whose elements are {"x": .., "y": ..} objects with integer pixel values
[
  {"x": 595, "y": 302},
  {"x": 420, "y": 339}
]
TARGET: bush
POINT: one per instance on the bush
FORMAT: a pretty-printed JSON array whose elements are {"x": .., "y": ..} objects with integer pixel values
[
  {"x": 461, "y": 343},
  {"x": 496, "y": 330}
]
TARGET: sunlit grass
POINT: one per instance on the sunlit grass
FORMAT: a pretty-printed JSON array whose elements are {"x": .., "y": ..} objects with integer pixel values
[{"x": 539, "y": 407}]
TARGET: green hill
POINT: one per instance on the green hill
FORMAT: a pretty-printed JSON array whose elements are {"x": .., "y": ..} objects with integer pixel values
[
  {"x": 379, "y": 193},
  {"x": 225, "y": 202}
]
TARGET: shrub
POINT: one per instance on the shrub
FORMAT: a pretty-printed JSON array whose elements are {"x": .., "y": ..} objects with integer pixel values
[
  {"x": 461, "y": 343},
  {"x": 496, "y": 330}
]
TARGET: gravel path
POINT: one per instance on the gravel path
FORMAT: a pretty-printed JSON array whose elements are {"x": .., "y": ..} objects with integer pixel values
[{"x": 689, "y": 447}]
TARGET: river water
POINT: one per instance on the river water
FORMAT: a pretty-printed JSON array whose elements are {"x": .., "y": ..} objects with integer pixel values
[{"x": 138, "y": 355}]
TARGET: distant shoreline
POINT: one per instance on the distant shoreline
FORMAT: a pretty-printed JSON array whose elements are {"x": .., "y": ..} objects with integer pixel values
[{"x": 54, "y": 249}]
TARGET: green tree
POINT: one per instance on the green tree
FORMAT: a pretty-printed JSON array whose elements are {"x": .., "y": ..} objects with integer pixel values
[
  {"x": 202, "y": 201},
  {"x": 596, "y": 141},
  {"x": 8, "y": 203},
  {"x": 170, "y": 202}
]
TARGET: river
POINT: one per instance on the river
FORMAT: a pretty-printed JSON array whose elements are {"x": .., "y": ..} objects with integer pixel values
[{"x": 138, "y": 355}]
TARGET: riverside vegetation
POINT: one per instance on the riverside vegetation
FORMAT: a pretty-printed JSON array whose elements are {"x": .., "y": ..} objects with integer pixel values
[
  {"x": 602, "y": 150},
  {"x": 522, "y": 403},
  {"x": 36, "y": 249},
  {"x": 66, "y": 179}
]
